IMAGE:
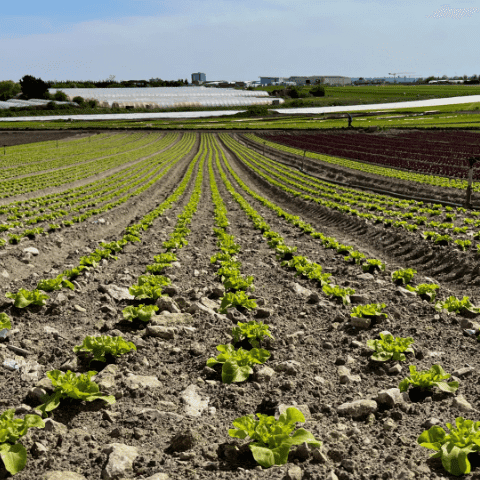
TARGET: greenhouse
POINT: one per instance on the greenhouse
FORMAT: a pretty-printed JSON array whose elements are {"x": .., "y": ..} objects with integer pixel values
[{"x": 170, "y": 97}]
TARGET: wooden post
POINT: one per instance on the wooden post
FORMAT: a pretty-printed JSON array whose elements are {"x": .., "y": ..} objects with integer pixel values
[
  {"x": 4, "y": 149},
  {"x": 303, "y": 160},
  {"x": 468, "y": 199}
]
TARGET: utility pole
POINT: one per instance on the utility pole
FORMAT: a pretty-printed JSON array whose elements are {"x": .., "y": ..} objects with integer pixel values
[{"x": 468, "y": 199}]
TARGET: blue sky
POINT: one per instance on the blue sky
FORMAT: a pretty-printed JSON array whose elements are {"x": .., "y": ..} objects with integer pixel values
[{"x": 237, "y": 39}]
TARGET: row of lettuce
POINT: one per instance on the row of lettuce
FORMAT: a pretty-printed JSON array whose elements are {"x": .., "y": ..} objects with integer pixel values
[{"x": 271, "y": 438}]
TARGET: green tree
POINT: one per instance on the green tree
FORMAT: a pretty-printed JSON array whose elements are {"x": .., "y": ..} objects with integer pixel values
[
  {"x": 318, "y": 91},
  {"x": 33, "y": 87},
  {"x": 9, "y": 89}
]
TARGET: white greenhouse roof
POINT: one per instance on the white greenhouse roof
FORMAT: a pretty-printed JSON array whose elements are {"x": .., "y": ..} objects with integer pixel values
[
  {"x": 131, "y": 116},
  {"x": 168, "y": 97}
]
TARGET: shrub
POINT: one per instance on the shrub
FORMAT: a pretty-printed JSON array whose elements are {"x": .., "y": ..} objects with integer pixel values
[
  {"x": 60, "y": 96},
  {"x": 318, "y": 91}
]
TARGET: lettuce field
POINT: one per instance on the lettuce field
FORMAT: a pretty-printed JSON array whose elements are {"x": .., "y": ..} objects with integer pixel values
[{"x": 186, "y": 305}]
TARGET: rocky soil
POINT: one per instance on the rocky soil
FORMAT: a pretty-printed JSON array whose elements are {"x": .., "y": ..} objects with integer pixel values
[{"x": 172, "y": 414}]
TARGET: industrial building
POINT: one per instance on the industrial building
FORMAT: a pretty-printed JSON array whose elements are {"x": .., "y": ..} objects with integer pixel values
[
  {"x": 198, "y": 78},
  {"x": 297, "y": 80}
]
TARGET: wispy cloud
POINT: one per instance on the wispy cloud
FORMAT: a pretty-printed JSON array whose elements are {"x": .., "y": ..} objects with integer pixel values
[{"x": 446, "y": 11}]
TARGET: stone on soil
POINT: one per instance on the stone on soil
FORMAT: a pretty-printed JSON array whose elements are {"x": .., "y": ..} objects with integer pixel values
[
  {"x": 116, "y": 292},
  {"x": 134, "y": 382},
  {"x": 358, "y": 408},
  {"x": 193, "y": 403},
  {"x": 168, "y": 304},
  {"x": 390, "y": 397},
  {"x": 302, "y": 291},
  {"x": 120, "y": 461},
  {"x": 63, "y": 475}
]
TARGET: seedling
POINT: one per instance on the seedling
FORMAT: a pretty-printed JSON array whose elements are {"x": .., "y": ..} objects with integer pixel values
[
  {"x": 23, "y": 298},
  {"x": 463, "y": 244},
  {"x": 149, "y": 286},
  {"x": 54, "y": 284},
  {"x": 355, "y": 257},
  {"x": 373, "y": 264},
  {"x": 454, "y": 305},
  {"x": 369, "y": 310},
  {"x": 104, "y": 345},
  {"x": 252, "y": 331},
  {"x": 237, "y": 364},
  {"x": 70, "y": 385},
  {"x": 425, "y": 291},
  {"x": 453, "y": 448},
  {"x": 142, "y": 312},
  {"x": 5, "y": 322},
  {"x": 13, "y": 454},
  {"x": 272, "y": 440},
  {"x": 237, "y": 299},
  {"x": 427, "y": 379},
  {"x": 339, "y": 292},
  {"x": 404, "y": 275},
  {"x": 389, "y": 348}
]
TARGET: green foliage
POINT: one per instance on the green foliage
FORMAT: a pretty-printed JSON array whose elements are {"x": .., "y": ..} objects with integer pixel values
[
  {"x": 427, "y": 379},
  {"x": 75, "y": 272},
  {"x": 318, "y": 91},
  {"x": 373, "y": 263},
  {"x": 149, "y": 286},
  {"x": 463, "y": 244},
  {"x": 454, "y": 305},
  {"x": 357, "y": 257},
  {"x": 426, "y": 289},
  {"x": 237, "y": 299},
  {"x": 23, "y": 298},
  {"x": 369, "y": 310},
  {"x": 272, "y": 440},
  {"x": 253, "y": 331},
  {"x": 13, "y": 454},
  {"x": 33, "y": 87},
  {"x": 453, "y": 448},
  {"x": 339, "y": 292},
  {"x": 5, "y": 321},
  {"x": 389, "y": 348},
  {"x": 8, "y": 90},
  {"x": 54, "y": 284},
  {"x": 142, "y": 312},
  {"x": 237, "y": 364},
  {"x": 14, "y": 239},
  {"x": 104, "y": 345},
  {"x": 70, "y": 385},
  {"x": 404, "y": 275}
]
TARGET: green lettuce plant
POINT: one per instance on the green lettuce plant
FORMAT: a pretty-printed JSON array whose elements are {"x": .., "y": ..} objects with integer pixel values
[
  {"x": 454, "y": 305},
  {"x": 372, "y": 264},
  {"x": 427, "y": 379},
  {"x": 103, "y": 345},
  {"x": 253, "y": 331},
  {"x": 425, "y": 289},
  {"x": 355, "y": 256},
  {"x": 453, "y": 448},
  {"x": 271, "y": 438},
  {"x": 149, "y": 286},
  {"x": 23, "y": 298},
  {"x": 390, "y": 348},
  {"x": 5, "y": 321},
  {"x": 71, "y": 385},
  {"x": 54, "y": 284},
  {"x": 339, "y": 292},
  {"x": 404, "y": 275},
  {"x": 13, "y": 454},
  {"x": 142, "y": 312},
  {"x": 369, "y": 310},
  {"x": 237, "y": 299},
  {"x": 237, "y": 364}
]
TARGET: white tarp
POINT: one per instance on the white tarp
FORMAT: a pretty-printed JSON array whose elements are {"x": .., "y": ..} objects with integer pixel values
[{"x": 379, "y": 106}]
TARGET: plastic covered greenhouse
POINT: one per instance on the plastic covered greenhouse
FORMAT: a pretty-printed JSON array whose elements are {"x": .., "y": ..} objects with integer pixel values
[{"x": 170, "y": 97}]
